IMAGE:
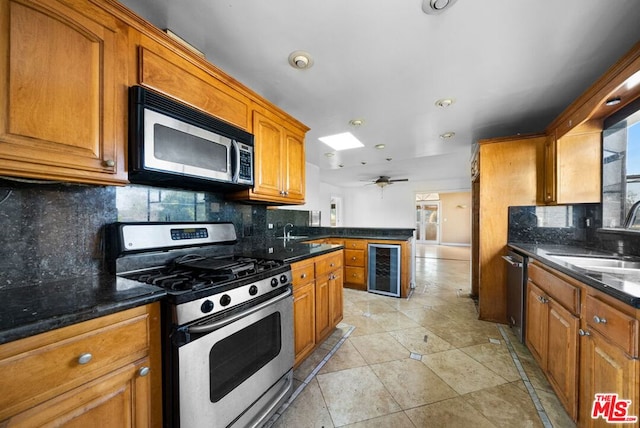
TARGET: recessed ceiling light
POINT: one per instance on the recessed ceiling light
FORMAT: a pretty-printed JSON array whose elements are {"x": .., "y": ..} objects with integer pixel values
[
  {"x": 445, "y": 102},
  {"x": 379, "y": 146},
  {"x": 356, "y": 122},
  {"x": 343, "y": 141},
  {"x": 329, "y": 154},
  {"x": 389, "y": 159},
  {"x": 613, "y": 101},
  {"x": 300, "y": 60},
  {"x": 363, "y": 163},
  {"x": 447, "y": 135},
  {"x": 434, "y": 7},
  {"x": 341, "y": 166}
]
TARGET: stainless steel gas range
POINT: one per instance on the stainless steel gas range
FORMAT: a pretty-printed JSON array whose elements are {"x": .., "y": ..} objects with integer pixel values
[{"x": 227, "y": 321}]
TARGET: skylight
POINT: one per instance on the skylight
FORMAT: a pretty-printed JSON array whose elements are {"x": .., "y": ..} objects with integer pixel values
[{"x": 343, "y": 141}]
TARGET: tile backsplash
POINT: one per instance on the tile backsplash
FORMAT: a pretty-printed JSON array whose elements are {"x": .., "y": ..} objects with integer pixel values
[{"x": 54, "y": 231}]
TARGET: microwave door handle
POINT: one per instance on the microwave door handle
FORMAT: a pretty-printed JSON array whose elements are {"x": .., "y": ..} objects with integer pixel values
[{"x": 236, "y": 166}]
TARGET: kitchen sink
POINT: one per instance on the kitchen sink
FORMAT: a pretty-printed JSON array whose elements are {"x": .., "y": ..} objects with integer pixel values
[
  {"x": 292, "y": 237},
  {"x": 600, "y": 264}
]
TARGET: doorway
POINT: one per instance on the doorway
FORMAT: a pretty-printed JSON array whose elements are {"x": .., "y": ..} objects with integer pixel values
[{"x": 428, "y": 222}]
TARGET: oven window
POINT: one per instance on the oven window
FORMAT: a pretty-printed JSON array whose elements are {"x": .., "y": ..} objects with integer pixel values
[
  {"x": 237, "y": 357},
  {"x": 192, "y": 150}
]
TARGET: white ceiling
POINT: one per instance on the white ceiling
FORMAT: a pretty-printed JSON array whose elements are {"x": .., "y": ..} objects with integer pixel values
[{"x": 511, "y": 65}]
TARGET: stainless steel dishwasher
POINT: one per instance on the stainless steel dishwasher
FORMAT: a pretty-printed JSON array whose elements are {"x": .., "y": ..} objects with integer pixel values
[{"x": 516, "y": 292}]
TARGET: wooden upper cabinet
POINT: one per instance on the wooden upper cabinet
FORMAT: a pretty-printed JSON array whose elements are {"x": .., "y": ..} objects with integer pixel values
[
  {"x": 279, "y": 163},
  {"x": 175, "y": 74},
  {"x": 64, "y": 75},
  {"x": 571, "y": 166}
]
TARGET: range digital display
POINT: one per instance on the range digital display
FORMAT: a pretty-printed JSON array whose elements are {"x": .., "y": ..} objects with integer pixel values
[{"x": 189, "y": 233}]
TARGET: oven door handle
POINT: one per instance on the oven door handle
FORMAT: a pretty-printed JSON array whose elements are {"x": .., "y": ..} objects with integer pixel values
[{"x": 207, "y": 328}]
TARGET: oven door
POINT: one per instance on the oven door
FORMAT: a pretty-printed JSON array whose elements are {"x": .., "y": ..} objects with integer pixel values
[{"x": 238, "y": 372}]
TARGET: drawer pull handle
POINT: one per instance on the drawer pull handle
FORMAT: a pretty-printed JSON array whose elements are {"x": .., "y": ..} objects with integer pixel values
[
  {"x": 599, "y": 320},
  {"x": 332, "y": 264},
  {"x": 582, "y": 332},
  {"x": 144, "y": 371},
  {"x": 543, "y": 299},
  {"x": 84, "y": 358},
  {"x": 303, "y": 276}
]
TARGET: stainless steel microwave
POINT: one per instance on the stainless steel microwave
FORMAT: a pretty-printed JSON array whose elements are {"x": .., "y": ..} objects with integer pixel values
[{"x": 174, "y": 145}]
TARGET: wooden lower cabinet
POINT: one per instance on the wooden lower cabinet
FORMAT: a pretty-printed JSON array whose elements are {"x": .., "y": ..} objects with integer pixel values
[
  {"x": 317, "y": 301},
  {"x": 102, "y": 372},
  {"x": 606, "y": 369},
  {"x": 304, "y": 326},
  {"x": 552, "y": 334},
  {"x": 585, "y": 342},
  {"x": 609, "y": 356}
]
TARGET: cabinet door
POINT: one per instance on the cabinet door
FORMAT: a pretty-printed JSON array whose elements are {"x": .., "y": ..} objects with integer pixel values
[
  {"x": 335, "y": 298},
  {"x": 537, "y": 317},
  {"x": 269, "y": 152},
  {"x": 579, "y": 168},
  {"x": 64, "y": 92},
  {"x": 606, "y": 369},
  {"x": 118, "y": 399},
  {"x": 304, "y": 324},
  {"x": 562, "y": 357},
  {"x": 295, "y": 167},
  {"x": 323, "y": 318}
]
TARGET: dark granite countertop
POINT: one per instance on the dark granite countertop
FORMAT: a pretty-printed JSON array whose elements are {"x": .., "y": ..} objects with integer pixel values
[
  {"x": 401, "y": 237},
  {"x": 623, "y": 286},
  {"x": 286, "y": 250},
  {"x": 33, "y": 309}
]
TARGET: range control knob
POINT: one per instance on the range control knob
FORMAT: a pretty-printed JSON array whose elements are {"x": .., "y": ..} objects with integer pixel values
[
  {"x": 253, "y": 290},
  {"x": 274, "y": 282},
  {"x": 283, "y": 279},
  {"x": 207, "y": 306},
  {"x": 225, "y": 300}
]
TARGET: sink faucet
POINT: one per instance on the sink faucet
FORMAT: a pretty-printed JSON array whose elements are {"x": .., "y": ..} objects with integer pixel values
[{"x": 286, "y": 234}]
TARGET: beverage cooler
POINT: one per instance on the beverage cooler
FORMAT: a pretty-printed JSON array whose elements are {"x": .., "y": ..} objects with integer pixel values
[{"x": 384, "y": 269}]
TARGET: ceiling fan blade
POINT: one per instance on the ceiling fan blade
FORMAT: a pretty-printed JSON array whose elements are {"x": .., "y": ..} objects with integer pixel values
[{"x": 398, "y": 179}]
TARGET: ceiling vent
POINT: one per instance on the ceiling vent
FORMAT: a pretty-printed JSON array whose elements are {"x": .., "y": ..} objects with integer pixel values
[{"x": 435, "y": 7}]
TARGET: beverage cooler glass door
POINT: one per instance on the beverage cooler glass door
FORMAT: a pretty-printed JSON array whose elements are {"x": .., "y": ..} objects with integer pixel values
[{"x": 384, "y": 269}]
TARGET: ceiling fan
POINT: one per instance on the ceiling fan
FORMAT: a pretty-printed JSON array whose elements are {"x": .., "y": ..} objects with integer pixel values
[{"x": 385, "y": 180}]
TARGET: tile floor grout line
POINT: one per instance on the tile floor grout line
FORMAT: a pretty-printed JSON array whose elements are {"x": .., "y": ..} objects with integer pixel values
[
  {"x": 309, "y": 378},
  {"x": 544, "y": 418}
]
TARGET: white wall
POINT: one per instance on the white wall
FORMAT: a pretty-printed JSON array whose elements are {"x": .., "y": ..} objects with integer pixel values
[{"x": 367, "y": 206}]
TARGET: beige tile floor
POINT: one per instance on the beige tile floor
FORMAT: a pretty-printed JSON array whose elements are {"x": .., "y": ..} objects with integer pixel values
[{"x": 426, "y": 361}]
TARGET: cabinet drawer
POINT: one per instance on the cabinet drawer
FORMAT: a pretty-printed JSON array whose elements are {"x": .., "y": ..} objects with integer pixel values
[
  {"x": 618, "y": 327},
  {"x": 354, "y": 258},
  {"x": 329, "y": 263},
  {"x": 60, "y": 361},
  {"x": 302, "y": 273},
  {"x": 354, "y": 275},
  {"x": 561, "y": 291},
  {"x": 355, "y": 244}
]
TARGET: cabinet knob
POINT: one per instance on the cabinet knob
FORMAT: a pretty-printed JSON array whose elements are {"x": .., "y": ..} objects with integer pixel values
[
  {"x": 331, "y": 264},
  {"x": 303, "y": 276},
  {"x": 143, "y": 371},
  {"x": 543, "y": 299},
  {"x": 582, "y": 332},
  {"x": 109, "y": 163},
  {"x": 84, "y": 358},
  {"x": 599, "y": 320},
  {"x": 353, "y": 258},
  {"x": 354, "y": 275}
]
